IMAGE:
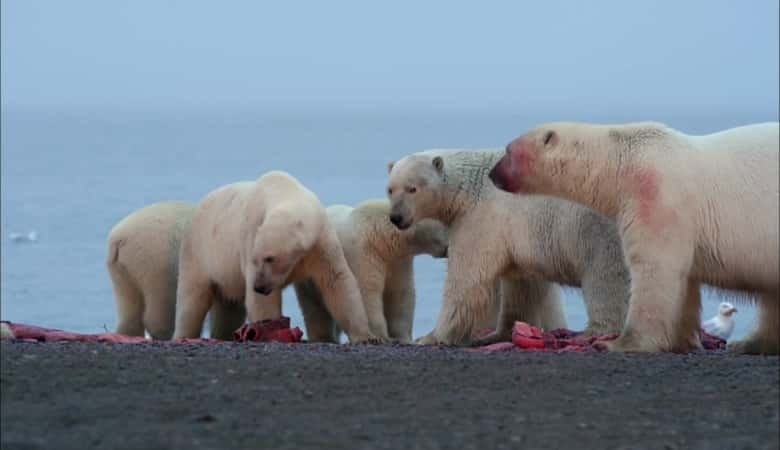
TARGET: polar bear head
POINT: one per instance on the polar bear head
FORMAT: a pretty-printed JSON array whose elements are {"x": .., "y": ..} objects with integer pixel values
[
  {"x": 566, "y": 158},
  {"x": 414, "y": 189},
  {"x": 279, "y": 244},
  {"x": 530, "y": 158}
]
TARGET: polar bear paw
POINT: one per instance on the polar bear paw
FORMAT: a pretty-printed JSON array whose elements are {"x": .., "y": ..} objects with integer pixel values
[
  {"x": 492, "y": 338},
  {"x": 753, "y": 346},
  {"x": 369, "y": 339},
  {"x": 628, "y": 344},
  {"x": 428, "y": 339}
]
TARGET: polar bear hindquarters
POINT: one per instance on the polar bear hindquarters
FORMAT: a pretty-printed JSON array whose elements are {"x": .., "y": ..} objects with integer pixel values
[{"x": 143, "y": 251}]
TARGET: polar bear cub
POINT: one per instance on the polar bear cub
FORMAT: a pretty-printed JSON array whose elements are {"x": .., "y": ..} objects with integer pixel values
[
  {"x": 143, "y": 262},
  {"x": 690, "y": 210},
  {"x": 249, "y": 240},
  {"x": 382, "y": 259},
  {"x": 529, "y": 244}
]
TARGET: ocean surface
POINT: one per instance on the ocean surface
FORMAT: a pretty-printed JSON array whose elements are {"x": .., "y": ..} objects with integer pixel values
[{"x": 71, "y": 175}]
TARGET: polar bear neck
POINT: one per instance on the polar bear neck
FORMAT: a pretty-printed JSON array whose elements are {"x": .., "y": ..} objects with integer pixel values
[{"x": 465, "y": 180}]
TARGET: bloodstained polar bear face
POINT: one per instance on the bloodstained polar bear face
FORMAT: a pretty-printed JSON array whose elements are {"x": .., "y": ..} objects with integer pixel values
[
  {"x": 413, "y": 189},
  {"x": 521, "y": 169},
  {"x": 276, "y": 250}
]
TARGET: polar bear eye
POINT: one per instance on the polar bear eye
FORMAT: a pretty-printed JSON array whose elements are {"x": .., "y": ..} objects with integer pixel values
[
  {"x": 549, "y": 138},
  {"x": 268, "y": 260},
  {"x": 411, "y": 190},
  {"x": 389, "y": 191}
]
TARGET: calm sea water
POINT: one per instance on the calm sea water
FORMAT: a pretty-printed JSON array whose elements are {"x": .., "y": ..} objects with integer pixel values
[{"x": 71, "y": 175}]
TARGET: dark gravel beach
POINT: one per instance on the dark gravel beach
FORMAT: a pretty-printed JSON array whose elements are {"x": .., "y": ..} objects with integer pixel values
[{"x": 223, "y": 396}]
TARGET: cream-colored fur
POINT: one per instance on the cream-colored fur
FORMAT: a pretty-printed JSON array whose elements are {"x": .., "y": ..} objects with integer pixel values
[
  {"x": 382, "y": 259},
  {"x": 143, "y": 259},
  {"x": 6, "y": 332},
  {"x": 690, "y": 210},
  {"x": 528, "y": 244},
  {"x": 143, "y": 262},
  {"x": 249, "y": 240}
]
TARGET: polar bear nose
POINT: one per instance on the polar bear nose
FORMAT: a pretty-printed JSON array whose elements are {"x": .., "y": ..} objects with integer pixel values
[
  {"x": 396, "y": 219},
  {"x": 263, "y": 289}
]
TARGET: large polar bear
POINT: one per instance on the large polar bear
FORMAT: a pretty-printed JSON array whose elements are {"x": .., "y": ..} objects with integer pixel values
[
  {"x": 249, "y": 240},
  {"x": 690, "y": 210},
  {"x": 382, "y": 259},
  {"x": 529, "y": 243},
  {"x": 143, "y": 262}
]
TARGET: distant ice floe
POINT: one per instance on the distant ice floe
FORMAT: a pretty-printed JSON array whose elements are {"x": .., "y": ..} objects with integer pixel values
[{"x": 30, "y": 236}]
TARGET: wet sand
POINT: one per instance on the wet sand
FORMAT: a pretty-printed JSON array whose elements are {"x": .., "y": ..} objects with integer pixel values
[{"x": 300, "y": 396}]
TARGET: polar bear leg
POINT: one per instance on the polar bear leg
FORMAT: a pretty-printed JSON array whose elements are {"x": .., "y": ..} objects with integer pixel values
[
  {"x": 129, "y": 302},
  {"x": 193, "y": 300},
  {"x": 550, "y": 304},
  {"x": 340, "y": 292},
  {"x": 399, "y": 303},
  {"x": 605, "y": 302},
  {"x": 371, "y": 284},
  {"x": 320, "y": 326},
  {"x": 535, "y": 302},
  {"x": 467, "y": 299},
  {"x": 765, "y": 339},
  {"x": 657, "y": 314},
  {"x": 160, "y": 309},
  {"x": 226, "y": 317},
  {"x": 689, "y": 329}
]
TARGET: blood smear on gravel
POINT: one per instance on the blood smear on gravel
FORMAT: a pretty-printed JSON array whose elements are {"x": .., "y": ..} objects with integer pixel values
[
  {"x": 269, "y": 330},
  {"x": 529, "y": 338}
]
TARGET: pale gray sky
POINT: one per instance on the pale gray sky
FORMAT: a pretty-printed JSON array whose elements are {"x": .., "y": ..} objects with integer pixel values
[{"x": 439, "y": 55}]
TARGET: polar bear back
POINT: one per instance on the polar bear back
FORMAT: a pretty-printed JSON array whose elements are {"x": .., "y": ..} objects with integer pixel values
[{"x": 224, "y": 226}]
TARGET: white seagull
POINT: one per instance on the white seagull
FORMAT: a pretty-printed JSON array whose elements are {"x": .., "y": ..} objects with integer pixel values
[{"x": 722, "y": 324}]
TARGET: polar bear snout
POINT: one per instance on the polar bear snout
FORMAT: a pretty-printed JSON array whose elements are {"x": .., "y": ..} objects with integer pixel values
[
  {"x": 512, "y": 171},
  {"x": 263, "y": 289},
  {"x": 396, "y": 219},
  {"x": 399, "y": 221},
  {"x": 502, "y": 173},
  {"x": 261, "y": 285}
]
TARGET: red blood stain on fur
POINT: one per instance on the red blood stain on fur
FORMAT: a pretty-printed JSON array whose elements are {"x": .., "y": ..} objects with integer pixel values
[
  {"x": 646, "y": 191},
  {"x": 651, "y": 211},
  {"x": 523, "y": 156}
]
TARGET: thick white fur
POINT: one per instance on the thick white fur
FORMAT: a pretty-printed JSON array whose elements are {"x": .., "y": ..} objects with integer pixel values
[
  {"x": 382, "y": 259},
  {"x": 6, "y": 332},
  {"x": 252, "y": 237},
  {"x": 690, "y": 209},
  {"x": 527, "y": 243},
  {"x": 143, "y": 262}
]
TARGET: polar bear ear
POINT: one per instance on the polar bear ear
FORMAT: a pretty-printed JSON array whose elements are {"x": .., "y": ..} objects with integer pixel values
[
  {"x": 550, "y": 138},
  {"x": 390, "y": 166},
  {"x": 438, "y": 164}
]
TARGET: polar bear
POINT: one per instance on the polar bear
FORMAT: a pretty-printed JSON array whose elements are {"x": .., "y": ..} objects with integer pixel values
[
  {"x": 143, "y": 262},
  {"x": 249, "y": 240},
  {"x": 690, "y": 210},
  {"x": 382, "y": 259},
  {"x": 527, "y": 243}
]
